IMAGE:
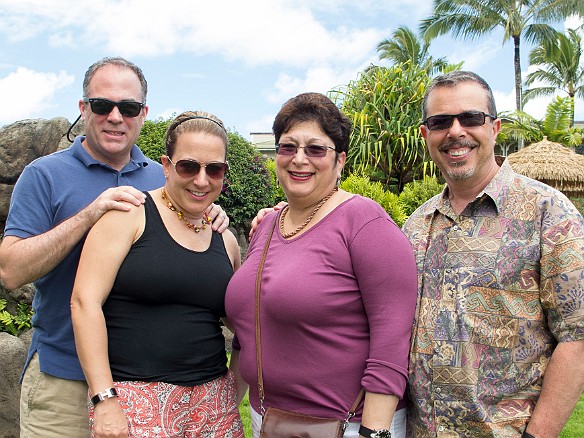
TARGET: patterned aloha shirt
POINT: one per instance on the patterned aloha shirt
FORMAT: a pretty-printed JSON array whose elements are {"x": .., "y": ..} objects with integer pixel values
[{"x": 499, "y": 286}]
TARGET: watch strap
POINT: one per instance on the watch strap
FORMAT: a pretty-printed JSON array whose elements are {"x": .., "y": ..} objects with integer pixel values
[
  {"x": 101, "y": 396},
  {"x": 371, "y": 433}
]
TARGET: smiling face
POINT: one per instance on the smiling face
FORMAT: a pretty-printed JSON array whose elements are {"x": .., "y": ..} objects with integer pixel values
[
  {"x": 193, "y": 195},
  {"x": 464, "y": 155},
  {"x": 110, "y": 137},
  {"x": 305, "y": 180}
]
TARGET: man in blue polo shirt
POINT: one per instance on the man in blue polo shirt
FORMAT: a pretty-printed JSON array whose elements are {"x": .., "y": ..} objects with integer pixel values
[{"x": 56, "y": 200}]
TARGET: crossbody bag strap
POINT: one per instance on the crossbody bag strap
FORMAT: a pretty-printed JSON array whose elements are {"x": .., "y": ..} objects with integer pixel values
[{"x": 257, "y": 317}]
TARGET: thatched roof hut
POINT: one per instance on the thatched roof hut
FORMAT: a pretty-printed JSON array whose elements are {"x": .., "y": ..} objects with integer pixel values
[{"x": 553, "y": 164}]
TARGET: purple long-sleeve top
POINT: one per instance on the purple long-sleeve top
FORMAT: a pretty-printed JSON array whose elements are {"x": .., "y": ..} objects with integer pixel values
[{"x": 337, "y": 306}]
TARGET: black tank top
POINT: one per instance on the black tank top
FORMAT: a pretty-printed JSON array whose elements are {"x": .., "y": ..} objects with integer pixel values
[{"x": 162, "y": 314}]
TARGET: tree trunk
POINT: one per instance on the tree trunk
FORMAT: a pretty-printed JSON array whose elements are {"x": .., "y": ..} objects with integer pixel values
[{"x": 518, "y": 81}]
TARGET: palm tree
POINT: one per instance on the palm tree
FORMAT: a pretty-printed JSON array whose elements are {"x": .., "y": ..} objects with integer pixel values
[
  {"x": 560, "y": 67},
  {"x": 471, "y": 19},
  {"x": 405, "y": 46},
  {"x": 519, "y": 125}
]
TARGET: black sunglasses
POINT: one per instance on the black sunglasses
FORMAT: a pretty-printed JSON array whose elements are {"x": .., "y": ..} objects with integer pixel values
[
  {"x": 468, "y": 119},
  {"x": 191, "y": 168},
  {"x": 102, "y": 107},
  {"x": 312, "y": 151}
]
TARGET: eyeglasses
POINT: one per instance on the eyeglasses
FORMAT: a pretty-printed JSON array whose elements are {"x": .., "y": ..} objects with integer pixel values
[
  {"x": 468, "y": 119},
  {"x": 103, "y": 107},
  {"x": 312, "y": 151},
  {"x": 191, "y": 168}
]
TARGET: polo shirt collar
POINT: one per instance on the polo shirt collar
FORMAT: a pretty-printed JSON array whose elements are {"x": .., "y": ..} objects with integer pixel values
[{"x": 137, "y": 157}]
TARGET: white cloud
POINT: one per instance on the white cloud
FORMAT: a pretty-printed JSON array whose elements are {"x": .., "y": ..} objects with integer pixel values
[
  {"x": 28, "y": 92},
  {"x": 318, "y": 79},
  {"x": 254, "y": 32}
]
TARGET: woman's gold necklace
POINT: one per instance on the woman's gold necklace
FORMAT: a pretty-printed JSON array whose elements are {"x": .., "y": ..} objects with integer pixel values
[
  {"x": 205, "y": 221},
  {"x": 307, "y": 221}
]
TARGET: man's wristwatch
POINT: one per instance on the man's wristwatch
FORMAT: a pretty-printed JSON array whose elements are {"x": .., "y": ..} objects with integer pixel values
[
  {"x": 101, "y": 396},
  {"x": 370, "y": 433}
]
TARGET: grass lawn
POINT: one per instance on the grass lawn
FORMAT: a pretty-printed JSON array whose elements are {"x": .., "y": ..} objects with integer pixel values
[{"x": 575, "y": 426}]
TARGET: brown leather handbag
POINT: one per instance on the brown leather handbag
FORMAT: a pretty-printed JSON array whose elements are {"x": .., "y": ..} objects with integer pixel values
[{"x": 277, "y": 423}]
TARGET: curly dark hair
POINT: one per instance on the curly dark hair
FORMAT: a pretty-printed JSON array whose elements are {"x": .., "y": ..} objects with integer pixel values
[{"x": 308, "y": 107}]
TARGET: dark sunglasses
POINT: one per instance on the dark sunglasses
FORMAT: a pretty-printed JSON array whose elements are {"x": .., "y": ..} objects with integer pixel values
[
  {"x": 468, "y": 119},
  {"x": 312, "y": 151},
  {"x": 191, "y": 168},
  {"x": 103, "y": 107}
]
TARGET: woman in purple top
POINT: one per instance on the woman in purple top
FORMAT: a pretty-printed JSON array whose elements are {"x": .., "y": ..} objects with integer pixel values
[{"x": 338, "y": 289}]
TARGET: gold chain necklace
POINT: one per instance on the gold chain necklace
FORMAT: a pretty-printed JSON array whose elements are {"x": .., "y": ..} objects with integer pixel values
[
  {"x": 205, "y": 221},
  {"x": 307, "y": 221}
]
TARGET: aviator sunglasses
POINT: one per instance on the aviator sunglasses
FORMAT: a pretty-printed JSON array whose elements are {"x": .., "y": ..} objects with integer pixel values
[
  {"x": 312, "y": 151},
  {"x": 191, "y": 168},
  {"x": 102, "y": 107},
  {"x": 468, "y": 119}
]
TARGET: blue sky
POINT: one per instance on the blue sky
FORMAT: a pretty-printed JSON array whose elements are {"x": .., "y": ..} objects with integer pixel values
[{"x": 237, "y": 59}]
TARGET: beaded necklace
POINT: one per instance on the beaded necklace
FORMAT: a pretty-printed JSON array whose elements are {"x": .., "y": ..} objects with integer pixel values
[
  {"x": 205, "y": 221},
  {"x": 307, "y": 221}
]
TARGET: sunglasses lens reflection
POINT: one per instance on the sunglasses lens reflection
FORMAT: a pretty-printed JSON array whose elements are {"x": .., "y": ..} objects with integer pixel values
[
  {"x": 470, "y": 119},
  {"x": 103, "y": 107},
  {"x": 312, "y": 151},
  {"x": 191, "y": 168}
]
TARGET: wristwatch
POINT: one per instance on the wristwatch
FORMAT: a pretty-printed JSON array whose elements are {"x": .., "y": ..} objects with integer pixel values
[
  {"x": 370, "y": 433},
  {"x": 101, "y": 396}
]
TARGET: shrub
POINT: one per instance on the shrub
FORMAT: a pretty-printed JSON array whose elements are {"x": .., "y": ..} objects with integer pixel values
[
  {"x": 278, "y": 191},
  {"x": 248, "y": 186},
  {"x": 151, "y": 139},
  {"x": 416, "y": 193},
  {"x": 362, "y": 185}
]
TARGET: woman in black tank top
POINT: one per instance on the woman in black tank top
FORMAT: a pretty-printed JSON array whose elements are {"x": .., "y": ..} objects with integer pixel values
[{"x": 149, "y": 296}]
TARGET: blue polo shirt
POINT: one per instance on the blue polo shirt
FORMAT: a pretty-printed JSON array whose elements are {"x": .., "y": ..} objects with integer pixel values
[{"x": 50, "y": 190}]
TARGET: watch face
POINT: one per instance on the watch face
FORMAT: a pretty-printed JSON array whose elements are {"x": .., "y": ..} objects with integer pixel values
[{"x": 384, "y": 433}]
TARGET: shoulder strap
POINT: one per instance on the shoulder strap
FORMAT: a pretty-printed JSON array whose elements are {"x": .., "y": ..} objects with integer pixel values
[{"x": 257, "y": 316}]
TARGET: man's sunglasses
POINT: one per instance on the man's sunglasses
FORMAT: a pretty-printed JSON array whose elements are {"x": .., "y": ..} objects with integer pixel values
[
  {"x": 468, "y": 119},
  {"x": 312, "y": 151},
  {"x": 103, "y": 107},
  {"x": 191, "y": 168}
]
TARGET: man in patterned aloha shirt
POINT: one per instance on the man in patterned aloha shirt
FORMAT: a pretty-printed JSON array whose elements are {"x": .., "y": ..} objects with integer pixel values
[{"x": 498, "y": 343}]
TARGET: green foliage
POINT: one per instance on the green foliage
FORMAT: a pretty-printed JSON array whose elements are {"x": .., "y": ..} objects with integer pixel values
[
  {"x": 151, "y": 139},
  {"x": 519, "y": 125},
  {"x": 278, "y": 191},
  {"x": 17, "y": 323},
  {"x": 248, "y": 185},
  {"x": 385, "y": 106},
  {"x": 362, "y": 185},
  {"x": 416, "y": 193}
]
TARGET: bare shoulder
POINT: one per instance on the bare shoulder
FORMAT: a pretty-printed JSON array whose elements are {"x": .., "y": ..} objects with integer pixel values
[
  {"x": 230, "y": 240},
  {"x": 232, "y": 247}
]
